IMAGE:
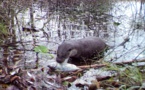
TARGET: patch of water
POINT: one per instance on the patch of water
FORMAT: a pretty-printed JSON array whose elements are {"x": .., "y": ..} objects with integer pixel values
[{"x": 52, "y": 30}]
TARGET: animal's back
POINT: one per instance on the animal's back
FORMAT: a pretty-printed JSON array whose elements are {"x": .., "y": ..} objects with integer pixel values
[
  {"x": 89, "y": 46},
  {"x": 93, "y": 45}
]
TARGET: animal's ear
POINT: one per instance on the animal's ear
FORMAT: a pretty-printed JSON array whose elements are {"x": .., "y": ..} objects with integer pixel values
[{"x": 73, "y": 52}]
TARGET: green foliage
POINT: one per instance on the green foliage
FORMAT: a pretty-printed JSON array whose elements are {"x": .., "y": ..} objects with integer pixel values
[
  {"x": 129, "y": 76},
  {"x": 66, "y": 83},
  {"x": 116, "y": 23},
  {"x": 41, "y": 49},
  {"x": 135, "y": 74},
  {"x": 112, "y": 67},
  {"x": 3, "y": 29},
  {"x": 3, "y": 32}
]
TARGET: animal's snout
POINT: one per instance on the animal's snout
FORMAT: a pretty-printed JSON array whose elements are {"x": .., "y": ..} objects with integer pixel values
[{"x": 59, "y": 60}]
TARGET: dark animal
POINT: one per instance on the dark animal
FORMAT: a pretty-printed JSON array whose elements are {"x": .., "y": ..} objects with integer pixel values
[{"x": 81, "y": 49}]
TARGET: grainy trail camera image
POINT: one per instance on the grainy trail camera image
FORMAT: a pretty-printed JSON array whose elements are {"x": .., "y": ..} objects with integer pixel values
[{"x": 46, "y": 44}]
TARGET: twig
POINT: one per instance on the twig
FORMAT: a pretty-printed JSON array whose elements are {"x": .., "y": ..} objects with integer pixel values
[
  {"x": 92, "y": 66},
  {"x": 130, "y": 61}
]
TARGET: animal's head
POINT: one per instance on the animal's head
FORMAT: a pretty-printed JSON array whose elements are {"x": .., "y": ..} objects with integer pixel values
[{"x": 65, "y": 51}]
